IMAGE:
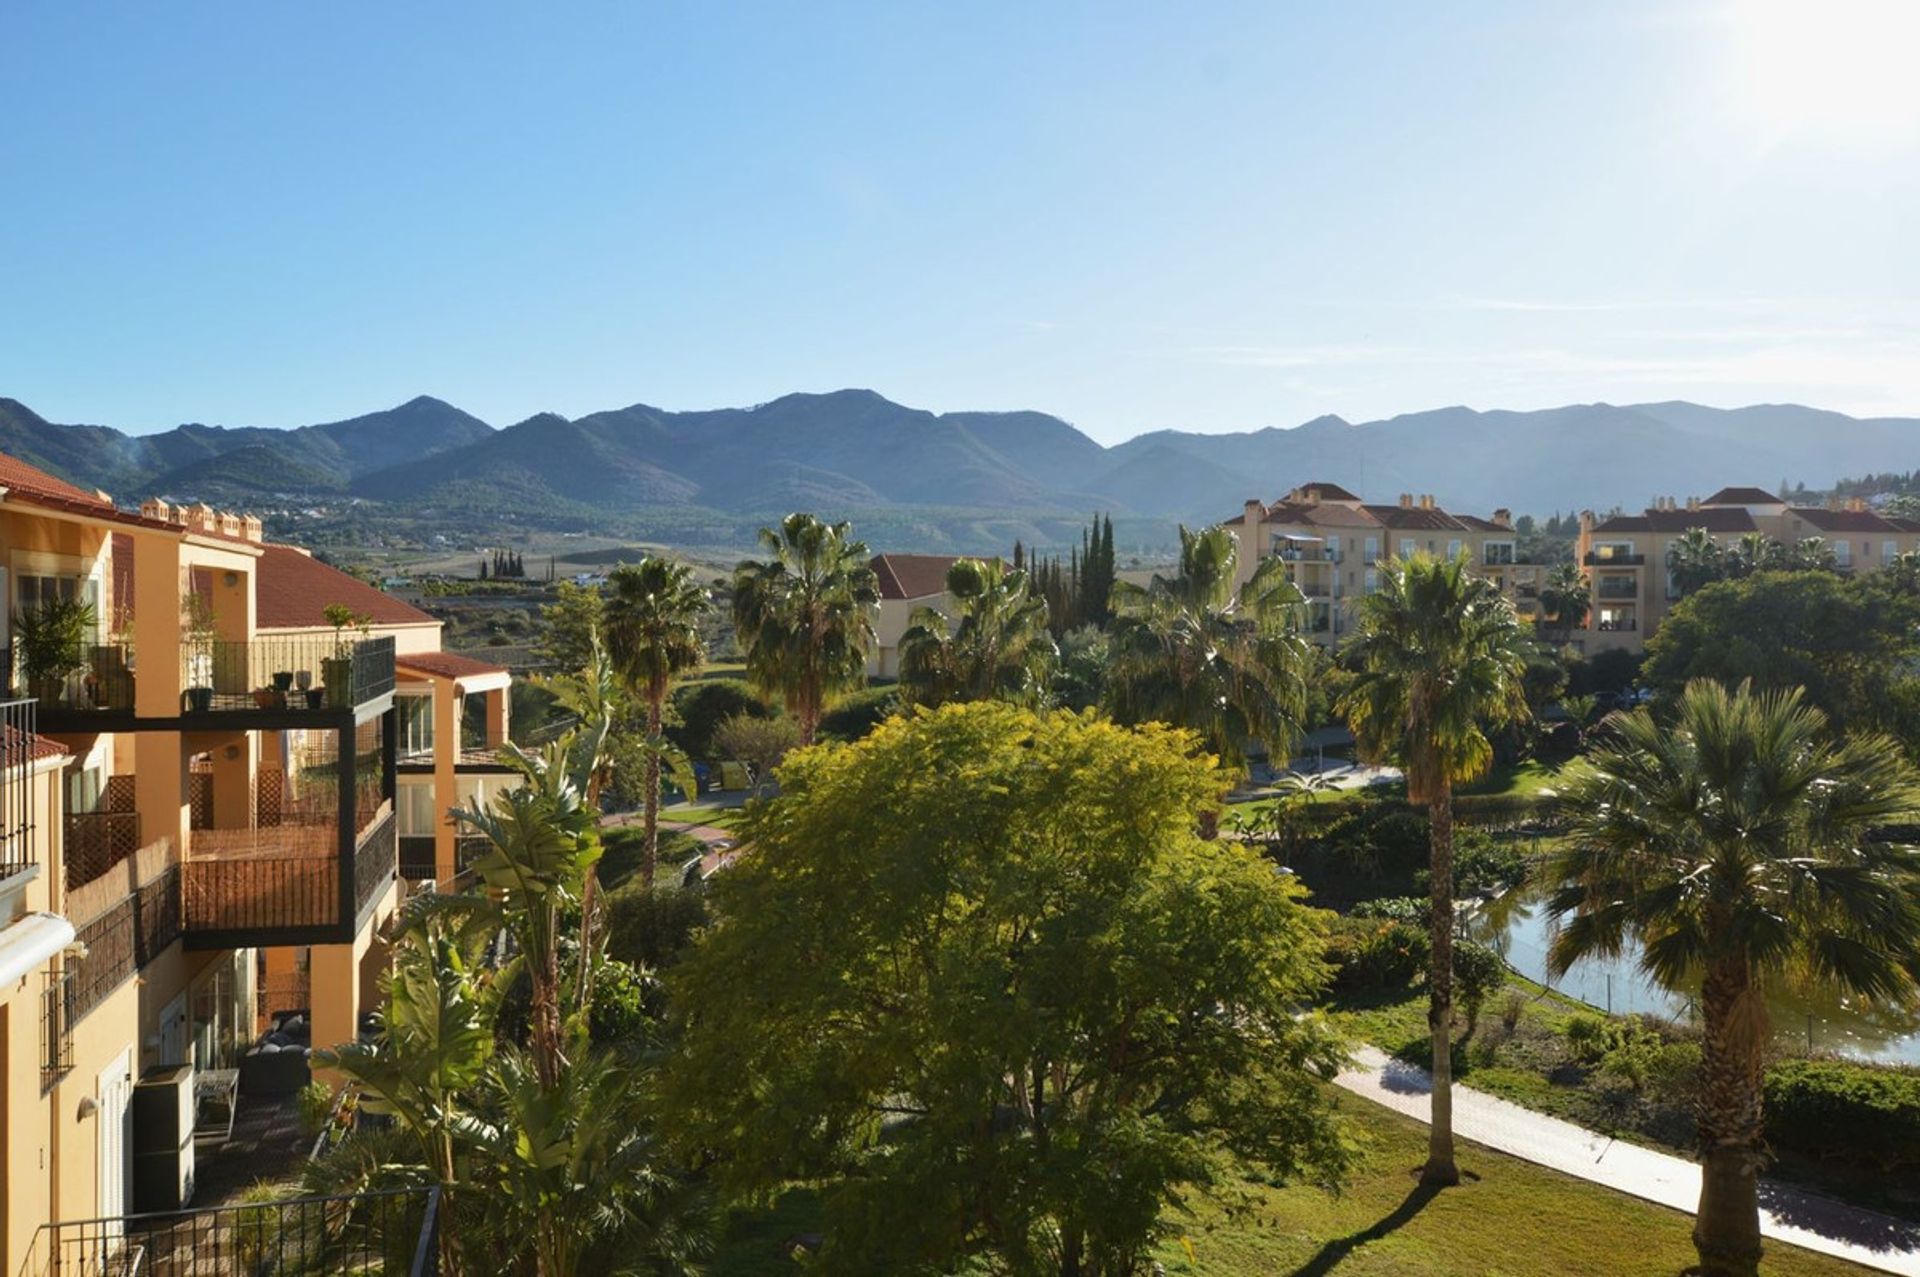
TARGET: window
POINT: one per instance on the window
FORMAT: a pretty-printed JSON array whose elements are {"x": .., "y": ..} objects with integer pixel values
[
  {"x": 1843, "y": 553},
  {"x": 1453, "y": 548},
  {"x": 416, "y": 723},
  {"x": 1333, "y": 547},
  {"x": 1889, "y": 550},
  {"x": 1373, "y": 549},
  {"x": 413, "y": 813},
  {"x": 1406, "y": 547},
  {"x": 1373, "y": 580},
  {"x": 1497, "y": 554}
]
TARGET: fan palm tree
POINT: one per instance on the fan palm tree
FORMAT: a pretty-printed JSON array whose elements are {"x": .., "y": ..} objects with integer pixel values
[
  {"x": 805, "y": 615},
  {"x": 1000, "y": 648},
  {"x": 1694, "y": 560},
  {"x": 1190, "y": 650},
  {"x": 1811, "y": 554},
  {"x": 652, "y": 614},
  {"x": 1441, "y": 657},
  {"x": 1737, "y": 846},
  {"x": 1566, "y": 597},
  {"x": 1755, "y": 552}
]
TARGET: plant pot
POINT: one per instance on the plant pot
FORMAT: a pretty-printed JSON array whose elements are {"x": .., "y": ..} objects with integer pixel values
[
  {"x": 337, "y": 673},
  {"x": 314, "y": 696},
  {"x": 303, "y": 679},
  {"x": 112, "y": 678},
  {"x": 282, "y": 680},
  {"x": 199, "y": 699},
  {"x": 269, "y": 698}
]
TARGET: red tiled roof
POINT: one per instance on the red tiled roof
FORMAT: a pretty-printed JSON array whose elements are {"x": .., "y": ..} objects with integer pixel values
[
  {"x": 1320, "y": 490},
  {"x": 1478, "y": 524},
  {"x": 17, "y": 476},
  {"x": 446, "y": 664},
  {"x": 293, "y": 589},
  {"x": 1844, "y": 520},
  {"x": 1414, "y": 518},
  {"x": 36, "y": 746},
  {"x": 1904, "y": 525},
  {"x": 1743, "y": 496},
  {"x": 1726, "y": 519},
  {"x": 912, "y": 576},
  {"x": 1328, "y": 515}
]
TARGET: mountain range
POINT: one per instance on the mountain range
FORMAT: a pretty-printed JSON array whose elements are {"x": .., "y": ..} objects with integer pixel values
[{"x": 854, "y": 450}]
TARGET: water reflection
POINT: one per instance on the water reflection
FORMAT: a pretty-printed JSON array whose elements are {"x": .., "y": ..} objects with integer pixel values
[{"x": 1516, "y": 924}]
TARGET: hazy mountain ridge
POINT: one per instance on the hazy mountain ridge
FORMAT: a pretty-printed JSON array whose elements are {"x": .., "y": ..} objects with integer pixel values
[{"x": 855, "y": 449}]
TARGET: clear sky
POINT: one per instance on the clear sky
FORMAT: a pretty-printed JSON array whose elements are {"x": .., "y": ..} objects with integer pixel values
[{"x": 1214, "y": 216}]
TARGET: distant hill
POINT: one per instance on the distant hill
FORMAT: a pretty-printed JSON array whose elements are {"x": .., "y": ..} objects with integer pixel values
[{"x": 949, "y": 478}]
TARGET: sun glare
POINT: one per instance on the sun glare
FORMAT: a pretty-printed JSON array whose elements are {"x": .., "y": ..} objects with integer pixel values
[{"x": 1827, "y": 70}]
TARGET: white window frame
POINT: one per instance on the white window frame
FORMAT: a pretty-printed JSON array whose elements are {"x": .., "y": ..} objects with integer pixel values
[{"x": 1487, "y": 559}]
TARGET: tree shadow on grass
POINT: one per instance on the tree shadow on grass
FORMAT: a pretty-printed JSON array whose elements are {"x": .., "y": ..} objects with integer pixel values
[{"x": 1335, "y": 1252}]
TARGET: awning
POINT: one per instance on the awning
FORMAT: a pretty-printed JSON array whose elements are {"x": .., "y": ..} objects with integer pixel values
[{"x": 29, "y": 942}]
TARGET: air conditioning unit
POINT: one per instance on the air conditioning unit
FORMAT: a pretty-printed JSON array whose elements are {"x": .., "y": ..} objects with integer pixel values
[{"x": 163, "y": 1109}]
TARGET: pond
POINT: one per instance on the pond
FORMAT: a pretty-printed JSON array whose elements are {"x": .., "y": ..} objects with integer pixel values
[{"x": 1517, "y": 926}]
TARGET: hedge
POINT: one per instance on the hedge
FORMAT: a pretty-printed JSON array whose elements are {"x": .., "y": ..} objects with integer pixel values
[{"x": 1845, "y": 1112}]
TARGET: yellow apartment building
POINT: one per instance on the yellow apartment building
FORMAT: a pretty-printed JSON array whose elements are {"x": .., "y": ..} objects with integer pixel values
[
  {"x": 201, "y": 820},
  {"x": 1334, "y": 543},
  {"x": 1625, "y": 555}
]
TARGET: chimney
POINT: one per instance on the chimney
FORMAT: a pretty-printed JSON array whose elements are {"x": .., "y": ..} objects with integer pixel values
[
  {"x": 1426, "y": 501},
  {"x": 1586, "y": 521},
  {"x": 155, "y": 508},
  {"x": 1254, "y": 512},
  {"x": 1406, "y": 501},
  {"x": 229, "y": 523},
  {"x": 1693, "y": 503},
  {"x": 1503, "y": 517},
  {"x": 251, "y": 528}
]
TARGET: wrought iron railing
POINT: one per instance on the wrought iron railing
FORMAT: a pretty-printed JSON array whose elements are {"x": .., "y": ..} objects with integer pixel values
[
  {"x": 394, "y": 1232},
  {"x": 375, "y": 859},
  {"x": 282, "y": 876},
  {"x": 57, "y": 1016},
  {"x": 290, "y": 671},
  {"x": 1595, "y": 559},
  {"x": 418, "y": 857},
  {"x": 19, "y": 744}
]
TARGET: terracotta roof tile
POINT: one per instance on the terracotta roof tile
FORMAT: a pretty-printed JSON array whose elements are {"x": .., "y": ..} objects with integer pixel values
[
  {"x": 293, "y": 589},
  {"x": 17, "y": 475},
  {"x": 1414, "y": 518},
  {"x": 1743, "y": 496},
  {"x": 446, "y": 664},
  {"x": 1844, "y": 520},
  {"x": 1725, "y": 519},
  {"x": 912, "y": 576}
]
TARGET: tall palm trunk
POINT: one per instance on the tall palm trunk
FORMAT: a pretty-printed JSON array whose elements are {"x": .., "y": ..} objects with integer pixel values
[
  {"x": 1726, "y": 1229},
  {"x": 808, "y": 708},
  {"x": 650, "y": 843},
  {"x": 1440, "y": 1168}
]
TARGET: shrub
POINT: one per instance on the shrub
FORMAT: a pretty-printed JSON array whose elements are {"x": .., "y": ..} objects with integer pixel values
[
  {"x": 1393, "y": 908},
  {"x": 315, "y": 1104},
  {"x": 1481, "y": 864},
  {"x": 619, "y": 1011},
  {"x": 1586, "y": 1034},
  {"x": 1368, "y": 954},
  {"x": 620, "y": 860},
  {"x": 1827, "y": 1108},
  {"x": 704, "y": 705},
  {"x": 652, "y": 929},
  {"x": 852, "y": 718},
  {"x": 1512, "y": 1008},
  {"x": 1478, "y": 972}
]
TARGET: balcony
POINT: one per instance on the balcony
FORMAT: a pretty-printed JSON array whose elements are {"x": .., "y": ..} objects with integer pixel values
[
  {"x": 287, "y": 676},
  {"x": 1597, "y": 559},
  {"x": 19, "y": 744},
  {"x": 285, "y": 884},
  {"x": 394, "y": 1232},
  {"x": 97, "y": 841},
  {"x": 1607, "y": 588}
]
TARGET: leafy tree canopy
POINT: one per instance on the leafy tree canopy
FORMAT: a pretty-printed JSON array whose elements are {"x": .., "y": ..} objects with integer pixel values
[{"x": 980, "y": 968}]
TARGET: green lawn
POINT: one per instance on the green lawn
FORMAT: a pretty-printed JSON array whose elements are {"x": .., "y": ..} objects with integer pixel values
[
  {"x": 1508, "y": 1218},
  {"x": 1528, "y": 779},
  {"x": 727, "y": 818}
]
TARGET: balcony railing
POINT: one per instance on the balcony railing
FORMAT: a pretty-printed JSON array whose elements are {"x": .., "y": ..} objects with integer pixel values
[
  {"x": 1625, "y": 625},
  {"x": 19, "y": 743},
  {"x": 1594, "y": 559},
  {"x": 396, "y": 1232},
  {"x": 282, "y": 877},
  {"x": 1617, "y": 590},
  {"x": 284, "y": 672}
]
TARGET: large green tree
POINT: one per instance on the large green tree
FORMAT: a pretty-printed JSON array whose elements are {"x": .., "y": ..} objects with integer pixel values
[
  {"x": 1440, "y": 658},
  {"x": 805, "y": 615},
  {"x": 996, "y": 646},
  {"x": 1191, "y": 650},
  {"x": 1695, "y": 559},
  {"x": 981, "y": 977},
  {"x": 1565, "y": 597},
  {"x": 1849, "y": 642},
  {"x": 651, "y": 617},
  {"x": 1739, "y": 846}
]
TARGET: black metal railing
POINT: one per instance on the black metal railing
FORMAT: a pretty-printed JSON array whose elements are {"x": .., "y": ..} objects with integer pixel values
[
  {"x": 19, "y": 744},
  {"x": 417, "y": 857},
  {"x": 97, "y": 841},
  {"x": 1617, "y": 590},
  {"x": 395, "y": 1232},
  {"x": 375, "y": 858},
  {"x": 1597, "y": 560},
  {"x": 56, "y": 1026},
  {"x": 281, "y": 672},
  {"x": 288, "y": 876}
]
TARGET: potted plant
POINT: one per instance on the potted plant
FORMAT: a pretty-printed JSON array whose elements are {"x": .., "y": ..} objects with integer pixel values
[
  {"x": 336, "y": 672},
  {"x": 303, "y": 679},
  {"x": 52, "y": 642},
  {"x": 283, "y": 681},
  {"x": 112, "y": 678},
  {"x": 197, "y": 623}
]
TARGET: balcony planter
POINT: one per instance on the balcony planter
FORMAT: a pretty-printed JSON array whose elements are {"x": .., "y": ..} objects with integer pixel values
[
  {"x": 336, "y": 673},
  {"x": 198, "y": 699}
]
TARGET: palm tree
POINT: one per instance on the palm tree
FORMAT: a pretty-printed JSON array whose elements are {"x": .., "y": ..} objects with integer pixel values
[
  {"x": 1441, "y": 658},
  {"x": 1695, "y": 560},
  {"x": 1737, "y": 845},
  {"x": 1000, "y": 649},
  {"x": 1191, "y": 651},
  {"x": 1755, "y": 552},
  {"x": 805, "y": 615},
  {"x": 1567, "y": 598},
  {"x": 652, "y": 614},
  {"x": 1811, "y": 554}
]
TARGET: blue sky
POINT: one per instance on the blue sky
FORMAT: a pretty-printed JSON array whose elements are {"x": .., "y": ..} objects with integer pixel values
[{"x": 1217, "y": 216}]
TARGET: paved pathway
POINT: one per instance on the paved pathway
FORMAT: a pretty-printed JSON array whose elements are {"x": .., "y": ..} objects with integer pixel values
[{"x": 1786, "y": 1214}]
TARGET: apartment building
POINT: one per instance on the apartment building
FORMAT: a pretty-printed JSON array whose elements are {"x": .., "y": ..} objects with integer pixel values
[
  {"x": 1625, "y": 555},
  {"x": 907, "y": 582},
  {"x": 200, "y": 822},
  {"x": 1334, "y": 543}
]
